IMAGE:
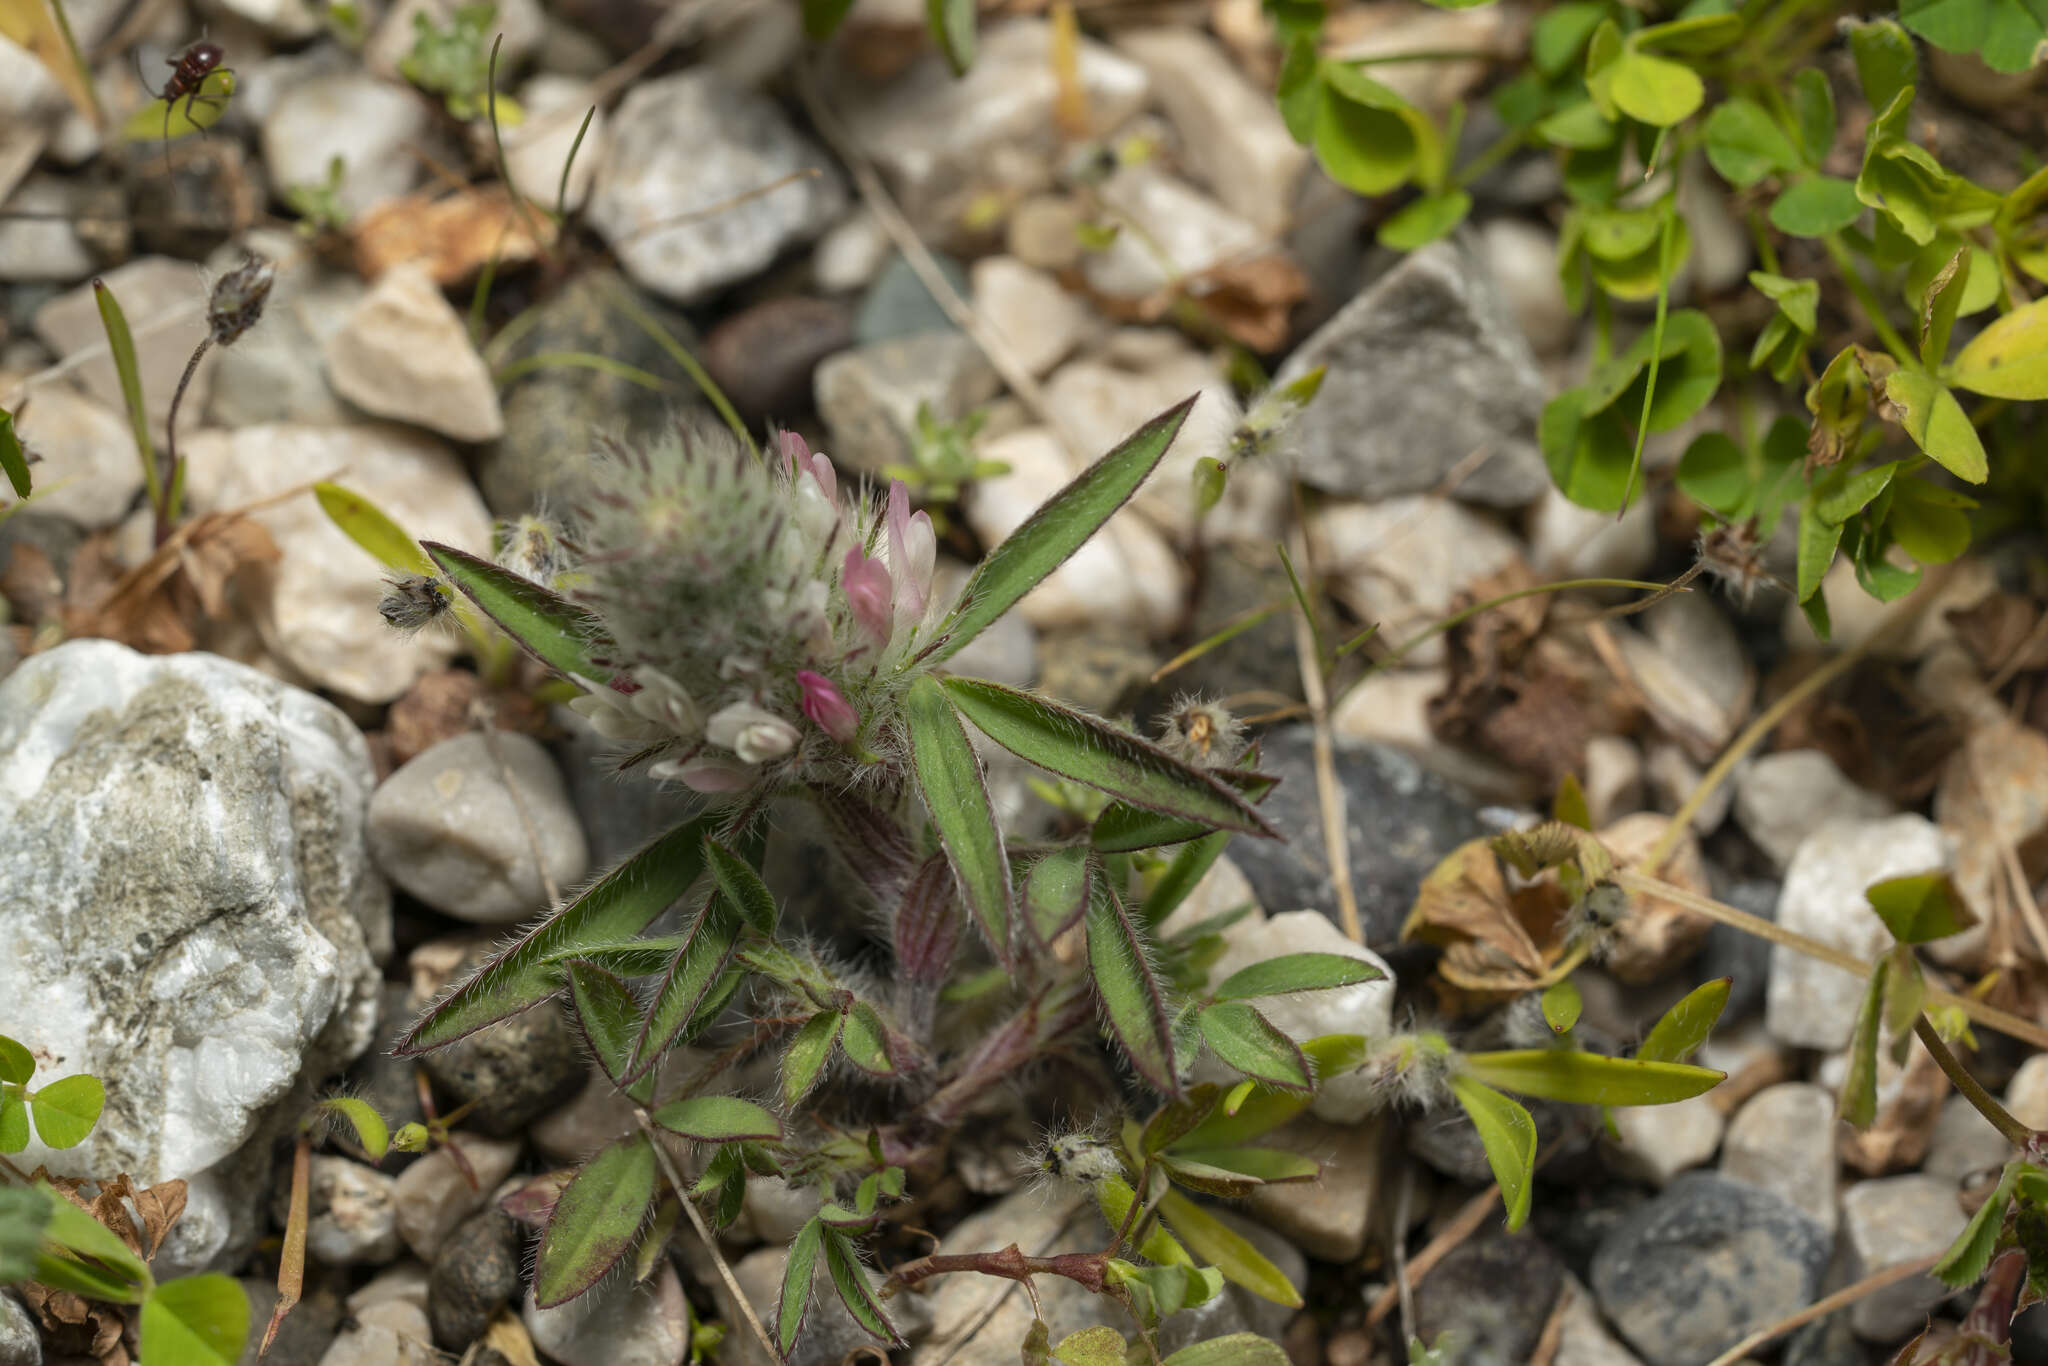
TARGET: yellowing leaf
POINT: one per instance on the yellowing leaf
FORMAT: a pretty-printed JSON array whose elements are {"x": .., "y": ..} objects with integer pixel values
[
  {"x": 183, "y": 116},
  {"x": 1929, "y": 414},
  {"x": 1657, "y": 91},
  {"x": 2008, "y": 359}
]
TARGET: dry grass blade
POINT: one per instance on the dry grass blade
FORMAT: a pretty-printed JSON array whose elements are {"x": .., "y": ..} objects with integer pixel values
[
  {"x": 291, "y": 1265},
  {"x": 1820, "y": 1309}
]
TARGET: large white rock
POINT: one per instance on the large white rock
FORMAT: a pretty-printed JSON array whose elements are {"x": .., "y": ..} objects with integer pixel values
[
  {"x": 190, "y": 913},
  {"x": 1811, "y": 1004},
  {"x": 320, "y": 615},
  {"x": 404, "y": 353},
  {"x": 1366, "y": 1008},
  {"x": 684, "y": 148},
  {"x": 452, "y": 828}
]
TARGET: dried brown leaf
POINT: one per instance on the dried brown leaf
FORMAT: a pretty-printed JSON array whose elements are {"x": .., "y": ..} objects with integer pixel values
[
  {"x": 2001, "y": 631},
  {"x": 1497, "y": 939},
  {"x": 453, "y": 236},
  {"x": 1904, "y": 1127},
  {"x": 157, "y": 606},
  {"x": 1657, "y": 935},
  {"x": 1250, "y": 299}
]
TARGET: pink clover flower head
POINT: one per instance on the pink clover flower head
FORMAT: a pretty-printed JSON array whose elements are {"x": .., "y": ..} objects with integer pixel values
[
  {"x": 913, "y": 552},
  {"x": 826, "y": 705},
  {"x": 869, "y": 592}
]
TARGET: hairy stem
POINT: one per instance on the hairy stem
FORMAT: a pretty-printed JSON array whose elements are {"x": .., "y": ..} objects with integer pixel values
[{"x": 1083, "y": 1268}]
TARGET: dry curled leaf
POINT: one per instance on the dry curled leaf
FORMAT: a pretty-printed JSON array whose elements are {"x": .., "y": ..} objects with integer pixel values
[
  {"x": 157, "y": 606},
  {"x": 1499, "y": 935},
  {"x": 1899, "y": 1137},
  {"x": 1883, "y": 735},
  {"x": 1656, "y": 935},
  {"x": 445, "y": 704}
]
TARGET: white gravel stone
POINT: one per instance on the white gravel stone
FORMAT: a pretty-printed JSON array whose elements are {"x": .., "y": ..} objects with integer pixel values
[
  {"x": 89, "y": 473},
  {"x": 320, "y": 615},
  {"x": 1887, "y": 1221},
  {"x": 164, "y": 301},
  {"x": 356, "y": 1219},
  {"x": 404, "y": 353},
  {"x": 1660, "y": 1141},
  {"x": 1811, "y": 1004},
  {"x": 1400, "y": 561},
  {"x": 143, "y": 799},
  {"x": 1783, "y": 1139},
  {"x": 617, "y": 1324},
  {"x": 1038, "y": 320},
  {"x": 435, "y": 1195},
  {"x": 1782, "y": 798},
  {"x": 353, "y": 115},
  {"x": 537, "y": 149},
  {"x": 451, "y": 830},
  {"x": 1964, "y": 1144}
]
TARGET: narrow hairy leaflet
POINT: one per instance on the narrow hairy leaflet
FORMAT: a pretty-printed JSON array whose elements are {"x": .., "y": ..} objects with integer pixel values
[
  {"x": 742, "y": 887},
  {"x": 609, "y": 1016},
  {"x": 1060, "y": 527},
  {"x": 1217, "y": 1244},
  {"x": 795, "y": 1301},
  {"x": 717, "y": 1119},
  {"x": 1191, "y": 862},
  {"x": 805, "y": 1058},
  {"x": 694, "y": 975},
  {"x": 1132, "y": 994},
  {"x": 617, "y": 906},
  {"x": 596, "y": 1220},
  {"x": 1091, "y": 751},
  {"x": 1057, "y": 890},
  {"x": 1297, "y": 972},
  {"x": 949, "y": 781},
  {"x": 850, "y": 1279},
  {"x": 1248, "y": 1041},
  {"x": 546, "y": 625}
]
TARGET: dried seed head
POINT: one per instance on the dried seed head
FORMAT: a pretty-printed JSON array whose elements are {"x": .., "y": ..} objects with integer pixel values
[
  {"x": 238, "y": 298},
  {"x": 412, "y": 601},
  {"x": 1079, "y": 1157},
  {"x": 1202, "y": 733},
  {"x": 1734, "y": 556}
]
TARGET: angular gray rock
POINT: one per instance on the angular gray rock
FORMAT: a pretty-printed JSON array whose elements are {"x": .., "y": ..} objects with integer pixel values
[
  {"x": 1493, "y": 1294},
  {"x": 1400, "y": 823},
  {"x": 618, "y": 1324},
  {"x": 1891, "y": 1220},
  {"x": 1783, "y": 1139},
  {"x": 191, "y": 909},
  {"x": 403, "y": 352},
  {"x": 1424, "y": 367},
  {"x": 479, "y": 827},
  {"x": 20, "y": 1344},
  {"x": 1704, "y": 1264},
  {"x": 690, "y": 142}
]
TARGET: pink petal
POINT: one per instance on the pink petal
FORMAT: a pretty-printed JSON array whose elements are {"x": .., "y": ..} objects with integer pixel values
[
  {"x": 828, "y": 707},
  {"x": 868, "y": 591},
  {"x": 913, "y": 551}
]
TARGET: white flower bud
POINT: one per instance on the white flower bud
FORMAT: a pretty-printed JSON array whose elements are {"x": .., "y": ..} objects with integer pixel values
[{"x": 752, "y": 733}]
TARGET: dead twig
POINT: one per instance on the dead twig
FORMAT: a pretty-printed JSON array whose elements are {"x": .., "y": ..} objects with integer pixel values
[{"x": 1820, "y": 1309}]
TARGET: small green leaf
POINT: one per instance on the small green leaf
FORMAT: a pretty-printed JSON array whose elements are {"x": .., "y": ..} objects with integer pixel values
[
  {"x": 1249, "y": 1042},
  {"x": 1056, "y": 891},
  {"x": 373, "y": 1135},
  {"x": 1939, "y": 306},
  {"x": 1930, "y": 415},
  {"x": 952, "y": 26},
  {"x": 545, "y": 624},
  {"x": 195, "y": 1321},
  {"x": 1843, "y": 493},
  {"x": 1217, "y": 1244},
  {"x": 1859, "y": 1088},
  {"x": 14, "y": 1129},
  {"x": 1114, "y": 1198},
  {"x": 1966, "y": 1259},
  {"x": 1590, "y": 455},
  {"x": 1261, "y": 1166},
  {"x": 1097, "y": 1346},
  {"x": 1424, "y": 221},
  {"x": 2008, "y": 359},
  {"x": 1300, "y": 90},
  {"x": 24, "y": 1211},
  {"x": 1930, "y": 530},
  {"x": 1815, "y": 207},
  {"x": 17, "y": 1064},
  {"x": 1715, "y": 473},
  {"x": 692, "y": 982},
  {"x": 67, "y": 1108},
  {"x": 742, "y": 886},
  {"x": 367, "y": 525},
  {"x": 865, "y": 1040},
  {"x": 1559, "y": 35},
  {"x": 1297, "y": 972},
  {"x": 1589, "y": 1078},
  {"x": 1745, "y": 144},
  {"x": 850, "y": 1279},
  {"x": 805, "y": 1058},
  {"x": 1232, "y": 1349},
  {"x": 795, "y": 1300},
  {"x": 1919, "y": 907},
  {"x": 597, "y": 1218},
  {"x": 2005, "y": 33},
  {"x": 617, "y": 906},
  {"x": 1075, "y": 745},
  {"x": 1367, "y": 137},
  {"x": 1885, "y": 61},
  {"x": 1561, "y": 1005},
  {"x": 1509, "y": 1137},
  {"x": 1813, "y": 113},
  {"x": 1818, "y": 540},
  {"x": 121, "y": 344},
  {"x": 1684, "y": 1027},
  {"x": 609, "y": 1015},
  {"x": 1176, "y": 1119},
  {"x": 1657, "y": 91},
  {"x": 718, "y": 1119},
  {"x": 1132, "y": 995},
  {"x": 823, "y": 17},
  {"x": 13, "y": 459},
  {"x": 1059, "y": 528},
  {"x": 948, "y": 776}
]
